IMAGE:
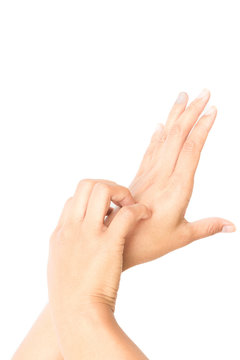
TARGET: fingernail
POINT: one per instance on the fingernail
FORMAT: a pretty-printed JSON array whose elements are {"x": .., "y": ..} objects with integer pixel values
[
  {"x": 182, "y": 96},
  {"x": 203, "y": 94},
  {"x": 159, "y": 127},
  {"x": 211, "y": 110},
  {"x": 228, "y": 228}
]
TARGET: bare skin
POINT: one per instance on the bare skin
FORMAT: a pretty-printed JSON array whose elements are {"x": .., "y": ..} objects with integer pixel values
[
  {"x": 164, "y": 183},
  {"x": 84, "y": 269}
]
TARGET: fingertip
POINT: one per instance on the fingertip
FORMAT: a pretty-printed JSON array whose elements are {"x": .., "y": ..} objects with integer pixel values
[
  {"x": 204, "y": 94},
  {"x": 147, "y": 213},
  {"x": 129, "y": 201},
  {"x": 182, "y": 98},
  {"x": 211, "y": 111},
  {"x": 228, "y": 228}
]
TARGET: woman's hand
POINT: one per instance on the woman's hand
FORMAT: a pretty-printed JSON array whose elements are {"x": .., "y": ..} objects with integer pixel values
[
  {"x": 84, "y": 269},
  {"x": 85, "y": 259},
  {"x": 164, "y": 183}
]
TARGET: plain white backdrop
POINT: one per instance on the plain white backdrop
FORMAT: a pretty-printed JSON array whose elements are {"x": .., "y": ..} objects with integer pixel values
[{"x": 82, "y": 86}]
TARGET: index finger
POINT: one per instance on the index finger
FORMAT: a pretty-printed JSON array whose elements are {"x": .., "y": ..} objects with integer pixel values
[
  {"x": 189, "y": 157},
  {"x": 100, "y": 200}
]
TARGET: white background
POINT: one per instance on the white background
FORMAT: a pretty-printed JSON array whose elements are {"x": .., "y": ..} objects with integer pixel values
[{"x": 82, "y": 86}]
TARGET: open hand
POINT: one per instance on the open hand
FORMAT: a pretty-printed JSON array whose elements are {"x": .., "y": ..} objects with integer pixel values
[{"x": 164, "y": 183}]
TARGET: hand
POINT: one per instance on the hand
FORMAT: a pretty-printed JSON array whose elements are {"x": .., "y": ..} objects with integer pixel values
[
  {"x": 85, "y": 258},
  {"x": 84, "y": 269},
  {"x": 164, "y": 183}
]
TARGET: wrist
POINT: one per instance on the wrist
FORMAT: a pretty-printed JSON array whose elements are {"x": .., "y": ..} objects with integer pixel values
[
  {"x": 87, "y": 316},
  {"x": 89, "y": 325},
  {"x": 96, "y": 312}
]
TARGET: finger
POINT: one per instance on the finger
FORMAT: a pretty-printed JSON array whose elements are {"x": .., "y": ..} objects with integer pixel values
[
  {"x": 81, "y": 198},
  {"x": 127, "y": 218},
  {"x": 111, "y": 216},
  {"x": 180, "y": 130},
  {"x": 64, "y": 212},
  {"x": 157, "y": 140},
  {"x": 100, "y": 200},
  {"x": 189, "y": 156},
  {"x": 109, "y": 212},
  {"x": 207, "y": 227},
  {"x": 177, "y": 109}
]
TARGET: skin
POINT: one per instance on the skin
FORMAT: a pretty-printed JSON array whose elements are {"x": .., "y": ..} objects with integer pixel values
[
  {"x": 164, "y": 183},
  {"x": 84, "y": 269},
  {"x": 175, "y": 149}
]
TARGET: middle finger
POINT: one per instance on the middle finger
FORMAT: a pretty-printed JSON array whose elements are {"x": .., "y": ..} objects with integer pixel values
[{"x": 180, "y": 130}]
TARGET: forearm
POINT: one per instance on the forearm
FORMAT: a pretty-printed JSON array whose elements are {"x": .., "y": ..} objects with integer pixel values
[
  {"x": 41, "y": 341},
  {"x": 95, "y": 335}
]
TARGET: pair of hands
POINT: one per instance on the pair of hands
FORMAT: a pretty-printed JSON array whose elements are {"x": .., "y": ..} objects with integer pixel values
[{"x": 91, "y": 244}]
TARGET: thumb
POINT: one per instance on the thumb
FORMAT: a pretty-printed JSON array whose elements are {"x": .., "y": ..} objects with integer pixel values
[
  {"x": 127, "y": 218},
  {"x": 210, "y": 226}
]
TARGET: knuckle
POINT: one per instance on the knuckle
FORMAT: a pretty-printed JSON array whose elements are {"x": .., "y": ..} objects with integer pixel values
[
  {"x": 159, "y": 137},
  {"x": 68, "y": 201},
  {"x": 126, "y": 190},
  {"x": 162, "y": 137},
  {"x": 201, "y": 137},
  {"x": 212, "y": 229},
  {"x": 142, "y": 209},
  {"x": 189, "y": 146},
  {"x": 176, "y": 130},
  {"x": 127, "y": 211},
  {"x": 84, "y": 182},
  {"x": 143, "y": 212},
  {"x": 203, "y": 129},
  {"x": 101, "y": 187},
  {"x": 64, "y": 233},
  {"x": 59, "y": 238}
]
